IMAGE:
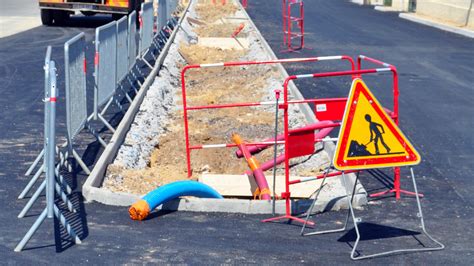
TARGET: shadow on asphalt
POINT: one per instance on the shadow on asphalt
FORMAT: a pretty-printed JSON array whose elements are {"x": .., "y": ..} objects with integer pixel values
[
  {"x": 371, "y": 231},
  {"x": 157, "y": 214}
]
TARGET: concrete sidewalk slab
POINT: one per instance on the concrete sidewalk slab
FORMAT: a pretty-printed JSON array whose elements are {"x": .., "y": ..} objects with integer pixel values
[
  {"x": 17, "y": 16},
  {"x": 432, "y": 23},
  {"x": 15, "y": 24}
]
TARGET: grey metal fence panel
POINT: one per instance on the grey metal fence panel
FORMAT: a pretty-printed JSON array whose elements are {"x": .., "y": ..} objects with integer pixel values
[
  {"x": 132, "y": 39},
  {"x": 146, "y": 30},
  {"x": 122, "y": 49},
  {"x": 75, "y": 76},
  {"x": 105, "y": 62},
  {"x": 162, "y": 15}
]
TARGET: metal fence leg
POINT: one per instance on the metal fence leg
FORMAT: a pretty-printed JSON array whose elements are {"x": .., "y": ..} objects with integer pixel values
[
  {"x": 129, "y": 99},
  {"x": 144, "y": 60},
  {"x": 440, "y": 246},
  {"x": 106, "y": 107},
  {"x": 81, "y": 162},
  {"x": 96, "y": 135},
  {"x": 35, "y": 163},
  {"x": 32, "y": 200},
  {"x": 32, "y": 182},
  {"x": 106, "y": 123},
  {"x": 38, "y": 192},
  {"x": 38, "y": 223},
  {"x": 30, "y": 232}
]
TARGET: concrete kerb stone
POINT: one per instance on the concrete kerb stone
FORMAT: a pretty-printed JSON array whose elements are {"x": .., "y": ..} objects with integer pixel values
[
  {"x": 358, "y": 2},
  {"x": 335, "y": 201},
  {"x": 414, "y": 18},
  {"x": 386, "y": 9}
]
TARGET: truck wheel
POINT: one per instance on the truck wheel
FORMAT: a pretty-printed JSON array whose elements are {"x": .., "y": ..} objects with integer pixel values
[
  {"x": 88, "y": 13},
  {"x": 46, "y": 17},
  {"x": 60, "y": 17}
]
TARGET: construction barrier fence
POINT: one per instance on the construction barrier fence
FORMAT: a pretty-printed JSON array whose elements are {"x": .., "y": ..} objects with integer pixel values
[
  {"x": 75, "y": 76},
  {"x": 50, "y": 184},
  {"x": 117, "y": 47}
]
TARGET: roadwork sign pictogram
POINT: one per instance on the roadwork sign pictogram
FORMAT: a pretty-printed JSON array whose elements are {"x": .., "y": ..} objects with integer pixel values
[{"x": 368, "y": 137}]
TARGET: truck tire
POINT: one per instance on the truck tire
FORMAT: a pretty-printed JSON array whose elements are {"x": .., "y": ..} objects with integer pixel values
[
  {"x": 60, "y": 17},
  {"x": 46, "y": 17},
  {"x": 88, "y": 13},
  {"x": 117, "y": 16}
]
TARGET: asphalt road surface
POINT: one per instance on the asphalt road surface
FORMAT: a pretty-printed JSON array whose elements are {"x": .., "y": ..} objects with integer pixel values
[{"x": 436, "y": 86}]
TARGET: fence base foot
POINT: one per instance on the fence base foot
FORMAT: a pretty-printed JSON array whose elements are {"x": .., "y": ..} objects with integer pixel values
[
  {"x": 289, "y": 218},
  {"x": 405, "y": 192}
]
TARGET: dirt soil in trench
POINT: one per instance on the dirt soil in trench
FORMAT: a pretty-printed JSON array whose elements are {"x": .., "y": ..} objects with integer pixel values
[{"x": 205, "y": 87}]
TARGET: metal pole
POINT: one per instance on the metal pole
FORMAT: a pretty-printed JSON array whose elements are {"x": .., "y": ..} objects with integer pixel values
[
  {"x": 469, "y": 13},
  {"x": 35, "y": 163},
  {"x": 30, "y": 232},
  {"x": 32, "y": 182},
  {"x": 32, "y": 200},
  {"x": 277, "y": 97},
  {"x": 51, "y": 144}
]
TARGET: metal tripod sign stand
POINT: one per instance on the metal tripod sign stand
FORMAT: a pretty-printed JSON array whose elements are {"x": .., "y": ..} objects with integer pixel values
[{"x": 399, "y": 152}]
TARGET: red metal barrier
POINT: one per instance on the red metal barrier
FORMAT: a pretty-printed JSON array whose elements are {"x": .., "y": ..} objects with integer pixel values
[
  {"x": 354, "y": 73},
  {"x": 187, "y": 108},
  {"x": 325, "y": 128},
  {"x": 289, "y": 20},
  {"x": 396, "y": 180}
]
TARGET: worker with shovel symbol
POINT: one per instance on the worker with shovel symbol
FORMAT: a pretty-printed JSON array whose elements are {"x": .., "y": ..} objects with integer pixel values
[{"x": 375, "y": 130}]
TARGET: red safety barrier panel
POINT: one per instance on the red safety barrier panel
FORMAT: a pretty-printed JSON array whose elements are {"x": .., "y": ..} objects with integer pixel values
[
  {"x": 292, "y": 140},
  {"x": 288, "y": 22},
  {"x": 187, "y": 108},
  {"x": 301, "y": 144}
]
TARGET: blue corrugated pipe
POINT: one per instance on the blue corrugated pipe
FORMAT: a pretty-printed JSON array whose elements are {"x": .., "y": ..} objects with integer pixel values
[{"x": 140, "y": 209}]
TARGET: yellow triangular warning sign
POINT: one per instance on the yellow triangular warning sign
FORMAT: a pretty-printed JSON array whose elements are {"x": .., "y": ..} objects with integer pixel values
[{"x": 368, "y": 137}]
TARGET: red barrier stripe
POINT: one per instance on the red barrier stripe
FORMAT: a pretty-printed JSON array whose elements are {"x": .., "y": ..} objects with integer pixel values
[
  {"x": 85, "y": 65},
  {"x": 96, "y": 59},
  {"x": 52, "y": 99}
]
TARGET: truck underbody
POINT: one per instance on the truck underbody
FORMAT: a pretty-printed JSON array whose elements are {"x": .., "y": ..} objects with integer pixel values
[{"x": 57, "y": 11}]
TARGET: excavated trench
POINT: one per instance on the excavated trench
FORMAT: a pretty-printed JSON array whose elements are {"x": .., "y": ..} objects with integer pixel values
[{"x": 153, "y": 153}]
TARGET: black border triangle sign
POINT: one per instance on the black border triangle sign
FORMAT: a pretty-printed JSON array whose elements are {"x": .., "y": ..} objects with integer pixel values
[{"x": 344, "y": 160}]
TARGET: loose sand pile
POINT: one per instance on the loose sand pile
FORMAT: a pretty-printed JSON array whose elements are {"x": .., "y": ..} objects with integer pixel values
[{"x": 154, "y": 151}]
